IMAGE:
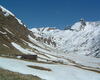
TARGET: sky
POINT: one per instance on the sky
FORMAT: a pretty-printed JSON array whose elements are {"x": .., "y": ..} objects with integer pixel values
[{"x": 53, "y": 13}]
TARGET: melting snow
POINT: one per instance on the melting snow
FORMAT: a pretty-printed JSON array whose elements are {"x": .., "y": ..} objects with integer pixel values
[
  {"x": 3, "y": 32},
  {"x": 5, "y": 45},
  {"x": 22, "y": 49},
  {"x": 8, "y": 31},
  {"x": 59, "y": 72}
]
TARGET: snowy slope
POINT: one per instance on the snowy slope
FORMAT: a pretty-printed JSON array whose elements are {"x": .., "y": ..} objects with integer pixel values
[
  {"x": 58, "y": 72},
  {"x": 7, "y": 13},
  {"x": 81, "y": 38}
]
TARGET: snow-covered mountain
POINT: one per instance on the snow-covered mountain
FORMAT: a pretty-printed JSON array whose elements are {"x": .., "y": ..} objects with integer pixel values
[
  {"x": 48, "y": 43},
  {"x": 69, "y": 52},
  {"x": 82, "y": 38}
]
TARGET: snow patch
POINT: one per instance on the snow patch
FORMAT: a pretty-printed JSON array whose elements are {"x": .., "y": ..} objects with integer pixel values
[
  {"x": 5, "y": 45},
  {"x": 22, "y": 49},
  {"x": 20, "y": 22},
  {"x": 8, "y": 31},
  {"x": 3, "y": 32}
]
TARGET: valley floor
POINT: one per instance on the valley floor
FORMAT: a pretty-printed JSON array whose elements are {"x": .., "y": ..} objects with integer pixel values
[{"x": 49, "y": 71}]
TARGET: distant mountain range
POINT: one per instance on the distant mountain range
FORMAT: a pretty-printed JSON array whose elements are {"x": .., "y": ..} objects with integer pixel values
[{"x": 81, "y": 38}]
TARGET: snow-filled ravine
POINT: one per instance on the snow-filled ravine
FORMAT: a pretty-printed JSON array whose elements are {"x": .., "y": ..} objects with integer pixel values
[{"x": 59, "y": 72}]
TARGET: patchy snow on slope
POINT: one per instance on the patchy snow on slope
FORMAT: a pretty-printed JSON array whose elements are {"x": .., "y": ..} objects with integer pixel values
[
  {"x": 3, "y": 32},
  {"x": 38, "y": 48},
  {"x": 59, "y": 72},
  {"x": 21, "y": 49},
  {"x": 31, "y": 39},
  {"x": 20, "y": 22},
  {"x": 42, "y": 52},
  {"x": 7, "y": 12},
  {"x": 36, "y": 42},
  {"x": 8, "y": 31},
  {"x": 5, "y": 45}
]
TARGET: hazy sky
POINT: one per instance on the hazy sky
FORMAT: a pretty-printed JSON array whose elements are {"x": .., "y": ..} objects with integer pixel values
[{"x": 53, "y": 13}]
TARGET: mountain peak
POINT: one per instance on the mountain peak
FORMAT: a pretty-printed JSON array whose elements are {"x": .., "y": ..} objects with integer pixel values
[{"x": 79, "y": 25}]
